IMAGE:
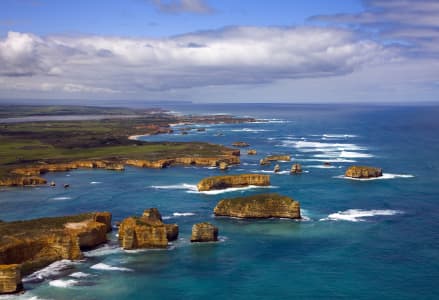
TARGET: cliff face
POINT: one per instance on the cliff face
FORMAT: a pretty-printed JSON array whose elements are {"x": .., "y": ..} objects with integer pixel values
[
  {"x": 204, "y": 232},
  {"x": 63, "y": 167},
  {"x": 222, "y": 182},
  {"x": 30, "y": 175},
  {"x": 22, "y": 180},
  {"x": 90, "y": 233},
  {"x": 259, "y": 206},
  {"x": 363, "y": 172},
  {"x": 34, "y": 244},
  {"x": 148, "y": 231},
  {"x": 10, "y": 279}
]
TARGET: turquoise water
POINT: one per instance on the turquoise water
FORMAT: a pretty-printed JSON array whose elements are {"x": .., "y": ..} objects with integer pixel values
[{"x": 376, "y": 239}]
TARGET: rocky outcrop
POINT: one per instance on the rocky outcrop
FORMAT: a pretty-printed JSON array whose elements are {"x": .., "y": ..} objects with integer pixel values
[
  {"x": 63, "y": 167},
  {"x": 14, "y": 180},
  {"x": 10, "y": 279},
  {"x": 363, "y": 172},
  {"x": 252, "y": 152},
  {"x": 259, "y": 206},
  {"x": 242, "y": 180},
  {"x": 30, "y": 175},
  {"x": 223, "y": 166},
  {"x": 34, "y": 244},
  {"x": 90, "y": 233},
  {"x": 264, "y": 162},
  {"x": 104, "y": 218},
  {"x": 267, "y": 160},
  {"x": 147, "y": 231},
  {"x": 171, "y": 232},
  {"x": 240, "y": 144},
  {"x": 296, "y": 169},
  {"x": 154, "y": 164},
  {"x": 204, "y": 232},
  {"x": 208, "y": 161}
]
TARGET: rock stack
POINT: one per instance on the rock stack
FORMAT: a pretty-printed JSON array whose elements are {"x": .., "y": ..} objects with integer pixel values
[
  {"x": 223, "y": 165},
  {"x": 147, "y": 231},
  {"x": 296, "y": 169},
  {"x": 204, "y": 232},
  {"x": 223, "y": 182},
  {"x": 259, "y": 206},
  {"x": 251, "y": 152},
  {"x": 363, "y": 172}
]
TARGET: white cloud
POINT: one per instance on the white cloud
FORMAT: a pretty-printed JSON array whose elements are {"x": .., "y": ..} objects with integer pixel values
[
  {"x": 415, "y": 23},
  {"x": 234, "y": 55}
]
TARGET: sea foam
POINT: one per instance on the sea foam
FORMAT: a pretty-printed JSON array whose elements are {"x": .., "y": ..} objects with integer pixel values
[
  {"x": 63, "y": 283},
  {"x": 250, "y": 130},
  {"x": 103, "y": 251},
  {"x": 105, "y": 267},
  {"x": 358, "y": 215},
  {"x": 192, "y": 188},
  {"x": 185, "y": 214},
  {"x": 61, "y": 198},
  {"x": 53, "y": 270},
  {"x": 79, "y": 275}
]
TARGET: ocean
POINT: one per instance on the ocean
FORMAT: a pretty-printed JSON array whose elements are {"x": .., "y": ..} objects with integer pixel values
[{"x": 359, "y": 239}]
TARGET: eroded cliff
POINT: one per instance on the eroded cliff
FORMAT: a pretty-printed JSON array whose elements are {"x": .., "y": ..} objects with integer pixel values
[
  {"x": 363, "y": 172},
  {"x": 259, "y": 206},
  {"x": 147, "y": 231},
  {"x": 242, "y": 180}
]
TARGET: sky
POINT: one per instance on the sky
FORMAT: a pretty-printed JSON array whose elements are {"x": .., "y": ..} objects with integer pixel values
[{"x": 344, "y": 51}]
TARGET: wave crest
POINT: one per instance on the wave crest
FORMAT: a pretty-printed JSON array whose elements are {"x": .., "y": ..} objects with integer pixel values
[
  {"x": 358, "y": 215},
  {"x": 105, "y": 267}
]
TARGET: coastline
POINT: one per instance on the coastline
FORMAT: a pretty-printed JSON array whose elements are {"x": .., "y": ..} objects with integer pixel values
[{"x": 135, "y": 137}]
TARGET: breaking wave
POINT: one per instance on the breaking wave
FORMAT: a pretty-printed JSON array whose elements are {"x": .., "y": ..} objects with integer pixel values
[
  {"x": 103, "y": 251},
  {"x": 105, "y": 267},
  {"x": 79, "y": 275},
  {"x": 192, "y": 188},
  {"x": 53, "y": 270},
  {"x": 63, "y": 283},
  {"x": 61, "y": 198},
  {"x": 358, "y": 215},
  {"x": 250, "y": 130}
]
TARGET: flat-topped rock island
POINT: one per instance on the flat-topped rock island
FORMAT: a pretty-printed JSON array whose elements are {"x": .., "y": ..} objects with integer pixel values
[{"x": 259, "y": 206}]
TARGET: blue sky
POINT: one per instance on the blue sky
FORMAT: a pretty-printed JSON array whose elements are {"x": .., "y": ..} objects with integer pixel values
[{"x": 220, "y": 50}]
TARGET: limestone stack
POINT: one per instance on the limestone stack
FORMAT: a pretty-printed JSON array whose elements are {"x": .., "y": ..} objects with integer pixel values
[
  {"x": 363, "y": 172},
  {"x": 242, "y": 180},
  {"x": 296, "y": 169},
  {"x": 204, "y": 232},
  {"x": 259, "y": 206},
  {"x": 147, "y": 231},
  {"x": 10, "y": 279}
]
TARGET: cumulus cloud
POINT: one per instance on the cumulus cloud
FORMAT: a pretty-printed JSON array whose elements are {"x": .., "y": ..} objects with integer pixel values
[
  {"x": 234, "y": 55},
  {"x": 414, "y": 23},
  {"x": 182, "y": 6}
]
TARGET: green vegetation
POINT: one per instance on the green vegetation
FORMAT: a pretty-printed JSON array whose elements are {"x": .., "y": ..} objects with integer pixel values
[
  {"x": 28, "y": 143},
  {"x": 259, "y": 198},
  {"x": 32, "y": 228},
  {"x": 9, "y": 111}
]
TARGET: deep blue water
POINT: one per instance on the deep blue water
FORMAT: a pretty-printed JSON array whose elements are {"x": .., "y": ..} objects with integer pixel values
[{"x": 375, "y": 239}]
